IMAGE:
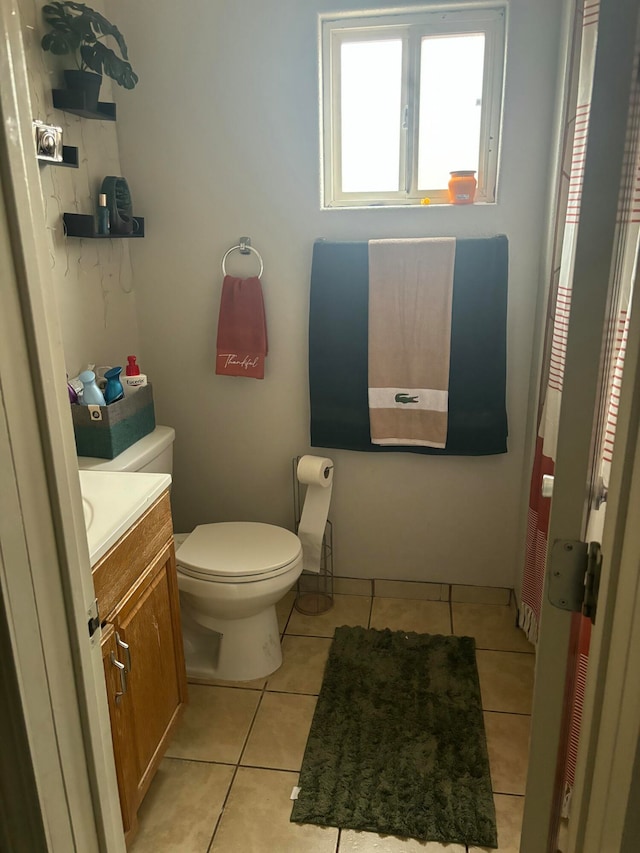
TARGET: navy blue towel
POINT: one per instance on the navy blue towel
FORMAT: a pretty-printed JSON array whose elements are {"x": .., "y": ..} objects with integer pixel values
[{"x": 338, "y": 349}]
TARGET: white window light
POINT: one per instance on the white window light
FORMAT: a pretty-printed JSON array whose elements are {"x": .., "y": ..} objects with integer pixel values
[{"x": 407, "y": 99}]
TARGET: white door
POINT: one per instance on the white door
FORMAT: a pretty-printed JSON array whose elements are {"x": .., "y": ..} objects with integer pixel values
[
  {"x": 46, "y": 588},
  {"x": 584, "y": 397}
]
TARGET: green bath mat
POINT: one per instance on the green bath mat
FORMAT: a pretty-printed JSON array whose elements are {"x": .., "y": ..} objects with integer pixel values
[{"x": 397, "y": 743}]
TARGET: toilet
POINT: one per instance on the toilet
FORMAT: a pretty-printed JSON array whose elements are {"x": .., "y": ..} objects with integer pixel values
[{"x": 231, "y": 575}]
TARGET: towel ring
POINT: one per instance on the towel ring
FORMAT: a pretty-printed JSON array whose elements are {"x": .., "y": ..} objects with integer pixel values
[{"x": 245, "y": 249}]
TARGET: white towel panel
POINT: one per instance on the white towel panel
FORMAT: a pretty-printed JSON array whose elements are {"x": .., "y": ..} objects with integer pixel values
[{"x": 427, "y": 399}]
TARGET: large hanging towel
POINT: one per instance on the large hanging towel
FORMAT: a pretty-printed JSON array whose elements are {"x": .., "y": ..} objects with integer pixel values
[
  {"x": 242, "y": 329},
  {"x": 338, "y": 349},
  {"x": 410, "y": 293}
]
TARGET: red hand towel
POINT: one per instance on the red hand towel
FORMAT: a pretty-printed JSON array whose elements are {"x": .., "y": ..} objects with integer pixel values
[{"x": 242, "y": 329}]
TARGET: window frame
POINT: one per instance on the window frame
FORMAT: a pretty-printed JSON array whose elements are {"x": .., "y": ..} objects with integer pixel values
[{"x": 410, "y": 28}]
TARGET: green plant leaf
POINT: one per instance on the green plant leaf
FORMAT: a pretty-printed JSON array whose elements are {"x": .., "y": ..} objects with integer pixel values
[
  {"x": 60, "y": 43},
  {"x": 129, "y": 77},
  {"x": 64, "y": 38},
  {"x": 102, "y": 59},
  {"x": 92, "y": 57},
  {"x": 82, "y": 25},
  {"x": 76, "y": 26},
  {"x": 100, "y": 24},
  {"x": 120, "y": 71},
  {"x": 56, "y": 11}
]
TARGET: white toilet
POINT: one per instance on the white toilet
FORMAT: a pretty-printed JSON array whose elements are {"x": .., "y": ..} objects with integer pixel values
[{"x": 231, "y": 575}]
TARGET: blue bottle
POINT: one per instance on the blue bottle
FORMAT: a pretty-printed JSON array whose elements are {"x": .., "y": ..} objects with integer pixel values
[
  {"x": 113, "y": 390},
  {"x": 91, "y": 394}
]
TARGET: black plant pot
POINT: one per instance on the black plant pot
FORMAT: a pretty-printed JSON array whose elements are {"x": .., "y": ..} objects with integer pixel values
[{"x": 87, "y": 82}]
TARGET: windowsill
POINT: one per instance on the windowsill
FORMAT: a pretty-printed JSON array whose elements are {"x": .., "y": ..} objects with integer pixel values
[{"x": 431, "y": 206}]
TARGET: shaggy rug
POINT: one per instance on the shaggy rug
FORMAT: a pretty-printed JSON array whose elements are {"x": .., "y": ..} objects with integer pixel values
[{"x": 397, "y": 743}]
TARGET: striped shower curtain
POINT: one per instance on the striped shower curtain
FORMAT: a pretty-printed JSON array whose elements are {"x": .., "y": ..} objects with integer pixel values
[{"x": 567, "y": 221}]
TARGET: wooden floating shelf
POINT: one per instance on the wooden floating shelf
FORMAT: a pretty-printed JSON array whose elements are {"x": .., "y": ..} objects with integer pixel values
[
  {"x": 72, "y": 101},
  {"x": 84, "y": 225}
]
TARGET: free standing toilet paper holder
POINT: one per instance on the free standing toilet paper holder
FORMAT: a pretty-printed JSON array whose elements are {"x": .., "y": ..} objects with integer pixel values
[{"x": 314, "y": 590}]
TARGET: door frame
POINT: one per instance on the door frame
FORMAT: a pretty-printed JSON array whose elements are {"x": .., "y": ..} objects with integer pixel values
[
  {"x": 57, "y": 696},
  {"x": 604, "y": 813},
  {"x": 44, "y": 571},
  {"x": 584, "y": 375}
]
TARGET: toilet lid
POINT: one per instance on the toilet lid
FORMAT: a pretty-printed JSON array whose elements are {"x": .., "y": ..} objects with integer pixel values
[{"x": 237, "y": 548}]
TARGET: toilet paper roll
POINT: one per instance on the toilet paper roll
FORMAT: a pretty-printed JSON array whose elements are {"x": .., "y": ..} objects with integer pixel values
[{"x": 317, "y": 473}]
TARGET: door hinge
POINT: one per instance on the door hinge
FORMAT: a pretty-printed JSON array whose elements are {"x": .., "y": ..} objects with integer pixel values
[
  {"x": 93, "y": 618},
  {"x": 574, "y": 576}
]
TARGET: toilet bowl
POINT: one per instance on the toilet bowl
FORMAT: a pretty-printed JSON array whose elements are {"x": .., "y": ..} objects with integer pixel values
[{"x": 231, "y": 575}]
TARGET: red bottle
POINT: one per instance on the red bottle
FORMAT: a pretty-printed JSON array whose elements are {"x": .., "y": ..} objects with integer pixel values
[{"x": 133, "y": 379}]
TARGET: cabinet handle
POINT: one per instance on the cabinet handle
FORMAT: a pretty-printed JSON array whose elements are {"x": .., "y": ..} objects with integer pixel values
[
  {"x": 127, "y": 651},
  {"x": 123, "y": 675}
]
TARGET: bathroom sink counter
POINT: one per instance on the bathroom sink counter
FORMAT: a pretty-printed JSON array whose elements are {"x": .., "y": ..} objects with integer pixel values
[{"x": 113, "y": 501}]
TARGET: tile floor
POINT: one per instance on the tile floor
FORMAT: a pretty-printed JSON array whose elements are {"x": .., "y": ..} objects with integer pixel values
[{"x": 225, "y": 783}]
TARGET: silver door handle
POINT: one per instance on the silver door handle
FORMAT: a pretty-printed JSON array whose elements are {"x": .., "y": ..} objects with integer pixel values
[
  {"x": 123, "y": 676},
  {"x": 127, "y": 651}
]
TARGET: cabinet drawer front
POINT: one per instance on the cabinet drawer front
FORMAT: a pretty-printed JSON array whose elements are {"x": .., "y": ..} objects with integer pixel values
[{"x": 121, "y": 567}]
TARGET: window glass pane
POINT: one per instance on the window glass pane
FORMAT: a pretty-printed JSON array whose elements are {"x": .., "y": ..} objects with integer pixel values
[
  {"x": 371, "y": 88},
  {"x": 451, "y": 71}
]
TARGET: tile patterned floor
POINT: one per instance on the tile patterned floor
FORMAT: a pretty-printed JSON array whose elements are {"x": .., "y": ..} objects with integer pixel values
[{"x": 225, "y": 782}]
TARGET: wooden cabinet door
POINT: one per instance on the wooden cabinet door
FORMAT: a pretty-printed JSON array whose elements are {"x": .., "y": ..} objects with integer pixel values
[
  {"x": 148, "y": 621},
  {"x": 119, "y": 714}
]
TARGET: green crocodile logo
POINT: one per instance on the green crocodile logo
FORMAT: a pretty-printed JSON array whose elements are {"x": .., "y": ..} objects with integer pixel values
[{"x": 405, "y": 398}]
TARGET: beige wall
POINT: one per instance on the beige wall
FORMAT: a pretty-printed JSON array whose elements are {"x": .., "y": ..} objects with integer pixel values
[
  {"x": 92, "y": 278},
  {"x": 219, "y": 140}
]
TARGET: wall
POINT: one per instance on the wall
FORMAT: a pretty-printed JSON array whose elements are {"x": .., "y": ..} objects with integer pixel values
[
  {"x": 219, "y": 140},
  {"x": 92, "y": 278}
]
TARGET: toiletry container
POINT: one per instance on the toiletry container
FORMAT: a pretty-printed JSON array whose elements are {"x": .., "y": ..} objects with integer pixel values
[
  {"x": 103, "y": 215},
  {"x": 133, "y": 378},
  {"x": 91, "y": 394},
  {"x": 73, "y": 394},
  {"x": 113, "y": 390}
]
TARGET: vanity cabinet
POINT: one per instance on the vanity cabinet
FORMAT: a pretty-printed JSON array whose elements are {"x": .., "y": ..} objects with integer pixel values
[{"x": 137, "y": 591}]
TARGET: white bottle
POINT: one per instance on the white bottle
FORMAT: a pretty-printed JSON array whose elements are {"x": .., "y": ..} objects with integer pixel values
[{"x": 133, "y": 378}]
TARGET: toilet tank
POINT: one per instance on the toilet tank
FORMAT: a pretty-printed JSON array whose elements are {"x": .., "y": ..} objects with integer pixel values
[{"x": 152, "y": 453}]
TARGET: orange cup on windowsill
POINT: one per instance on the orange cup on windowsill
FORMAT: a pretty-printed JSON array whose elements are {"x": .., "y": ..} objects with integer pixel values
[{"x": 462, "y": 187}]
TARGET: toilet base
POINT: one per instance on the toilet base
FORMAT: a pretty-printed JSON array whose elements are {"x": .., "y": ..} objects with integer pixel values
[{"x": 231, "y": 649}]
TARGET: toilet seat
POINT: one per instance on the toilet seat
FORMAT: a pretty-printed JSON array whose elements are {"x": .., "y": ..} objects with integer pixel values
[{"x": 238, "y": 551}]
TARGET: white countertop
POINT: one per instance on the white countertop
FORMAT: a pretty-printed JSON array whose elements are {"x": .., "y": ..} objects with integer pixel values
[{"x": 112, "y": 501}]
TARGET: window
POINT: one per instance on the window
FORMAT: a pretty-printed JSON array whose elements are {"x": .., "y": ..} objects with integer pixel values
[{"x": 406, "y": 100}]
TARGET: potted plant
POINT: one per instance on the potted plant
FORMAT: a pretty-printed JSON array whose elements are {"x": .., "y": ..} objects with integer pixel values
[{"x": 78, "y": 29}]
